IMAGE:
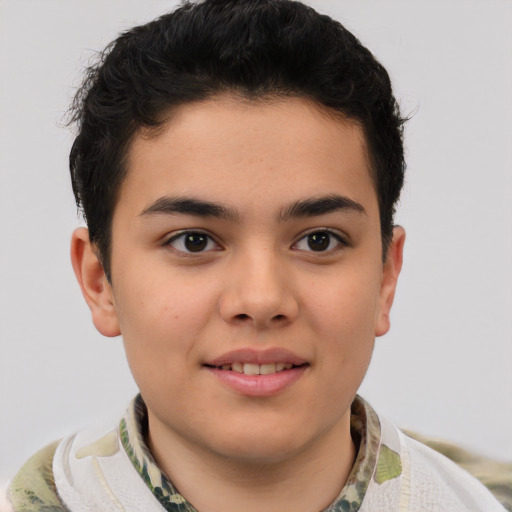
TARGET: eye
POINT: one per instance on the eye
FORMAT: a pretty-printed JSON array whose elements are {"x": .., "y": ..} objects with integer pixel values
[
  {"x": 320, "y": 241},
  {"x": 192, "y": 242}
]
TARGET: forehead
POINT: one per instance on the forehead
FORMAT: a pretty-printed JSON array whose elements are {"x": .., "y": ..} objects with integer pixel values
[{"x": 247, "y": 151}]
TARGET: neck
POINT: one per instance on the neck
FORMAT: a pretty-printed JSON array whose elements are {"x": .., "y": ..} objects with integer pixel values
[{"x": 306, "y": 481}]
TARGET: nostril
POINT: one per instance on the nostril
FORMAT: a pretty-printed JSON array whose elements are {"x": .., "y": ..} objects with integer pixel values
[
  {"x": 242, "y": 316},
  {"x": 279, "y": 317}
]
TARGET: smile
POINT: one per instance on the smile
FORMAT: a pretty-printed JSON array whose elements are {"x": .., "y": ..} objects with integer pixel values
[
  {"x": 257, "y": 369},
  {"x": 258, "y": 373}
]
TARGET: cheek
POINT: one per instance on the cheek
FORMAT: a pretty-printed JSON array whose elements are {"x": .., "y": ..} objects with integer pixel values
[
  {"x": 160, "y": 323},
  {"x": 161, "y": 297},
  {"x": 344, "y": 319},
  {"x": 346, "y": 306}
]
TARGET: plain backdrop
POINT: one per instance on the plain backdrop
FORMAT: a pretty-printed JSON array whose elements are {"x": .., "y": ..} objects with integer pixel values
[{"x": 445, "y": 368}]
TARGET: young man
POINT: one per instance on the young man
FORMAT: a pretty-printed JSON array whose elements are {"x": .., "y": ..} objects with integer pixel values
[{"x": 238, "y": 165}]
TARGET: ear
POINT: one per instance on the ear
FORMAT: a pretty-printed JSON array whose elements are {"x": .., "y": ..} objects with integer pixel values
[
  {"x": 96, "y": 289},
  {"x": 390, "y": 273}
]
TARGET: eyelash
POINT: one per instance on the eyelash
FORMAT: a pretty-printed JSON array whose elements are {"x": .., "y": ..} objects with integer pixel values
[
  {"x": 182, "y": 237},
  {"x": 208, "y": 240},
  {"x": 332, "y": 236}
]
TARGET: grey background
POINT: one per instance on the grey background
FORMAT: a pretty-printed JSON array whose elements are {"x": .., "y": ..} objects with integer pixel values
[{"x": 445, "y": 367}]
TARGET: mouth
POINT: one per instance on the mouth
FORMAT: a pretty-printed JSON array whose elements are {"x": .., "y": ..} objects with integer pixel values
[
  {"x": 256, "y": 369},
  {"x": 258, "y": 373}
]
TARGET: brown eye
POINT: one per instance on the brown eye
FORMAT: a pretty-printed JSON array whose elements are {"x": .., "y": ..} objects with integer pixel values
[
  {"x": 320, "y": 241},
  {"x": 196, "y": 242},
  {"x": 192, "y": 242}
]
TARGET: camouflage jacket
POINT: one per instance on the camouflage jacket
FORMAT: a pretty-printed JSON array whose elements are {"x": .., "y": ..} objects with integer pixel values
[{"x": 112, "y": 470}]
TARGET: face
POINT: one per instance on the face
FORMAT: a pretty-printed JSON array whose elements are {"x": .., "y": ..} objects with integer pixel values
[{"x": 247, "y": 275}]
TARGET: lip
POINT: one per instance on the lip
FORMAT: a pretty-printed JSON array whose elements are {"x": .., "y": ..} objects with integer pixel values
[
  {"x": 268, "y": 356},
  {"x": 258, "y": 385}
]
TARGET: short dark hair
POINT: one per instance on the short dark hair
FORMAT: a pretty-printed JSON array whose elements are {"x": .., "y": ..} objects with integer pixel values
[{"x": 252, "y": 48}]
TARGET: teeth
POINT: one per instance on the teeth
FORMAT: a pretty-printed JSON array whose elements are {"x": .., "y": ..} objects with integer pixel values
[
  {"x": 251, "y": 369},
  {"x": 257, "y": 369},
  {"x": 267, "y": 369},
  {"x": 237, "y": 367}
]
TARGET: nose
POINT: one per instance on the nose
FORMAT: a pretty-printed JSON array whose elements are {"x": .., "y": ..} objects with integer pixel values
[{"x": 259, "y": 292}]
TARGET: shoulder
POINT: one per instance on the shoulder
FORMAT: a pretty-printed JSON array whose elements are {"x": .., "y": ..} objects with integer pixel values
[
  {"x": 495, "y": 475},
  {"x": 33, "y": 487},
  {"x": 408, "y": 475},
  {"x": 431, "y": 476}
]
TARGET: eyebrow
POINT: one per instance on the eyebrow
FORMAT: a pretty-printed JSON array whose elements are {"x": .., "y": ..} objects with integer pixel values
[
  {"x": 321, "y": 206},
  {"x": 191, "y": 206},
  {"x": 310, "y": 207}
]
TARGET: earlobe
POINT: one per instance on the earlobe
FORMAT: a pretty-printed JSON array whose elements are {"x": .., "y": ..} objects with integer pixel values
[
  {"x": 95, "y": 287},
  {"x": 391, "y": 271}
]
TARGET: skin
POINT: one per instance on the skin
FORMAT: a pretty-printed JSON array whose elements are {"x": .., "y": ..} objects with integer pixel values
[{"x": 257, "y": 285}]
